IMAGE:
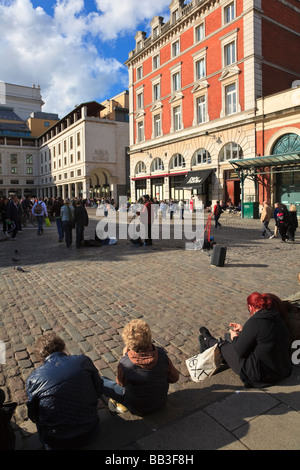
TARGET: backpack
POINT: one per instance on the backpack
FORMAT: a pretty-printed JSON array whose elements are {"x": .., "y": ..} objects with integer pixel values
[
  {"x": 281, "y": 216},
  {"x": 38, "y": 208}
]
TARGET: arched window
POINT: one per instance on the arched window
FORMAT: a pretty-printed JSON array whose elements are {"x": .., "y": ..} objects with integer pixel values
[
  {"x": 140, "y": 168},
  {"x": 177, "y": 161},
  {"x": 201, "y": 156},
  {"x": 230, "y": 151},
  {"x": 157, "y": 165},
  {"x": 287, "y": 143}
]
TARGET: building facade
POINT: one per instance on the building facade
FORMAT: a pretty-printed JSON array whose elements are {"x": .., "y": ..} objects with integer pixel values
[
  {"x": 193, "y": 90},
  {"x": 84, "y": 154}
]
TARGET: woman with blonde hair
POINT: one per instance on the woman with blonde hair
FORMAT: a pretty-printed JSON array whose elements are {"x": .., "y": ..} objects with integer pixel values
[{"x": 144, "y": 373}]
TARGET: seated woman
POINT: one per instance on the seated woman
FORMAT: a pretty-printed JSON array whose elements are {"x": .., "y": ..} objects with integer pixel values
[
  {"x": 144, "y": 373},
  {"x": 259, "y": 352}
]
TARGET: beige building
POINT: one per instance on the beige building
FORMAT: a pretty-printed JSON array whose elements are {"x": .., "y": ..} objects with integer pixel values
[{"x": 84, "y": 155}]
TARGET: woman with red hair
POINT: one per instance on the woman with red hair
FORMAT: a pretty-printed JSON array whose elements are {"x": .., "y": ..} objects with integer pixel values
[{"x": 260, "y": 350}]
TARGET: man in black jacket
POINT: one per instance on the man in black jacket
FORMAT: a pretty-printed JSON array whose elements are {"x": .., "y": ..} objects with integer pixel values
[
  {"x": 63, "y": 395},
  {"x": 81, "y": 221}
]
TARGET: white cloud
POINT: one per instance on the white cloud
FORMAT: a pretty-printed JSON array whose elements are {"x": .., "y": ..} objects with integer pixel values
[{"x": 60, "y": 52}]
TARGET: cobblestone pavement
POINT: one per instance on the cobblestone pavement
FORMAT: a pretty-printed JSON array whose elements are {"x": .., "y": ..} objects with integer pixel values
[{"x": 88, "y": 295}]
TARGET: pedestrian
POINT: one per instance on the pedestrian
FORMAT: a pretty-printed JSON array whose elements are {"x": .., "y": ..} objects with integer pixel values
[
  {"x": 276, "y": 210},
  {"x": 144, "y": 373},
  {"x": 181, "y": 208},
  {"x": 63, "y": 395},
  {"x": 217, "y": 213},
  {"x": 171, "y": 209},
  {"x": 81, "y": 219},
  {"x": 3, "y": 210},
  {"x": 265, "y": 218},
  {"x": 259, "y": 351},
  {"x": 163, "y": 209},
  {"x": 55, "y": 211},
  {"x": 283, "y": 221},
  {"x": 12, "y": 217},
  {"x": 292, "y": 223},
  {"x": 146, "y": 216},
  {"x": 67, "y": 220},
  {"x": 39, "y": 210}
]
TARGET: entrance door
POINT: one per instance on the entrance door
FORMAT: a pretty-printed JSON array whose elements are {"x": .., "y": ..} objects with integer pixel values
[{"x": 288, "y": 185}]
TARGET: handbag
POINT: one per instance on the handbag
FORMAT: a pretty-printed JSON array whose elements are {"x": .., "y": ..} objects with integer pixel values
[
  {"x": 205, "y": 364},
  {"x": 12, "y": 226},
  {"x": 47, "y": 222}
]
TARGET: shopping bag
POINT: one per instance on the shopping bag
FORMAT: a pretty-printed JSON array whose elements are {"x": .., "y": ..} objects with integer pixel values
[
  {"x": 205, "y": 364},
  {"x": 47, "y": 222},
  {"x": 10, "y": 226}
]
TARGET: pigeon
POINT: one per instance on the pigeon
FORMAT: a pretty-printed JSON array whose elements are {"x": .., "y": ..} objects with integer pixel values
[{"x": 18, "y": 268}]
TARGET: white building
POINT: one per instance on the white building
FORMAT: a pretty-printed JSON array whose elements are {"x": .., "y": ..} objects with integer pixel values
[{"x": 23, "y": 99}]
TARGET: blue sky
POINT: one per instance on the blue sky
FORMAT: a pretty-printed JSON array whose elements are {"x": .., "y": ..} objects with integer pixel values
[{"x": 74, "y": 49}]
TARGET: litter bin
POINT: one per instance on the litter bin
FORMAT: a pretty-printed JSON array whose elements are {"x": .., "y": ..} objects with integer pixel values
[{"x": 251, "y": 210}]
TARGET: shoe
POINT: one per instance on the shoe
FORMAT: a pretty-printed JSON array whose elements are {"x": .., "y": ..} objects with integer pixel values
[
  {"x": 272, "y": 236},
  {"x": 202, "y": 345},
  {"x": 115, "y": 407},
  {"x": 205, "y": 333},
  {"x": 14, "y": 238}
]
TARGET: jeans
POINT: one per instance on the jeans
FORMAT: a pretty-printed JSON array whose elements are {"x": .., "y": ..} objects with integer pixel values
[
  {"x": 79, "y": 235},
  {"x": 266, "y": 229},
  {"x": 112, "y": 390},
  {"x": 59, "y": 228},
  {"x": 217, "y": 223},
  {"x": 67, "y": 229},
  {"x": 40, "y": 221}
]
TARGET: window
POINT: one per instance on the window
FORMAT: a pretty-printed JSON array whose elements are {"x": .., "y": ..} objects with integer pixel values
[
  {"x": 157, "y": 125},
  {"x": 201, "y": 109},
  {"x": 29, "y": 170},
  {"x": 140, "y": 168},
  {"x": 230, "y": 99},
  {"x": 175, "y": 15},
  {"x": 78, "y": 156},
  {"x": 71, "y": 158},
  {"x": 177, "y": 118},
  {"x": 156, "y": 92},
  {"x": 46, "y": 123},
  {"x": 59, "y": 149},
  {"x": 156, "y": 62},
  {"x": 65, "y": 145},
  {"x": 229, "y": 54},
  {"x": 59, "y": 163},
  {"x": 0, "y": 170},
  {"x": 200, "y": 69},
  {"x": 65, "y": 161},
  {"x": 65, "y": 175},
  {"x": 175, "y": 48},
  {"x": 71, "y": 142},
  {"x": 201, "y": 156},
  {"x": 72, "y": 174},
  {"x": 176, "y": 85},
  {"x": 199, "y": 32},
  {"x": 230, "y": 151},
  {"x": 177, "y": 161},
  {"x": 229, "y": 13},
  {"x": 155, "y": 32},
  {"x": 14, "y": 181},
  {"x": 29, "y": 159},
  {"x": 140, "y": 101},
  {"x": 139, "y": 73},
  {"x": 157, "y": 165},
  {"x": 14, "y": 169},
  {"x": 13, "y": 158},
  {"x": 78, "y": 138},
  {"x": 29, "y": 181},
  {"x": 78, "y": 172},
  {"x": 140, "y": 127},
  {"x": 54, "y": 155}
]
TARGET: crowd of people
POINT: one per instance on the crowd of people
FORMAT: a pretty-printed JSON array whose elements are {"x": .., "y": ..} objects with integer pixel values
[
  {"x": 63, "y": 391},
  {"x": 286, "y": 221}
]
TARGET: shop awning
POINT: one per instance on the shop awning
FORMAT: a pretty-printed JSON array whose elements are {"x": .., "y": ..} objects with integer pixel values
[
  {"x": 282, "y": 160},
  {"x": 194, "y": 179}
]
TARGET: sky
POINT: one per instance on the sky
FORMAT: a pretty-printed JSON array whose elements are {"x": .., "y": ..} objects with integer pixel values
[{"x": 74, "y": 49}]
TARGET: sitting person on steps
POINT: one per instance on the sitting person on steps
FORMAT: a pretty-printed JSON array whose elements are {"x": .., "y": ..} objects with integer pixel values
[
  {"x": 144, "y": 373},
  {"x": 259, "y": 352}
]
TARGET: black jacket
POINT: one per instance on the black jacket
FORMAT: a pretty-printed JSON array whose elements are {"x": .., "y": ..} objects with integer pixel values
[
  {"x": 81, "y": 216},
  {"x": 263, "y": 347},
  {"x": 12, "y": 212},
  {"x": 62, "y": 398},
  {"x": 146, "y": 390}
]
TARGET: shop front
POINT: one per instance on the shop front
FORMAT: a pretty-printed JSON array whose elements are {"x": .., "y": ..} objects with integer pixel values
[
  {"x": 199, "y": 183},
  {"x": 232, "y": 187}
]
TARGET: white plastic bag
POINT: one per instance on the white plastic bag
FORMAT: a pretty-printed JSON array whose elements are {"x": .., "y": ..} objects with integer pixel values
[{"x": 203, "y": 365}]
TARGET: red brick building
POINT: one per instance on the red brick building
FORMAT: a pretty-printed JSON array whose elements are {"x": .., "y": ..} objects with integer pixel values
[{"x": 193, "y": 87}]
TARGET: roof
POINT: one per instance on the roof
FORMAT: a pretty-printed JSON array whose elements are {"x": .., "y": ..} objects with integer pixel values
[
  {"x": 8, "y": 114},
  {"x": 269, "y": 160}
]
